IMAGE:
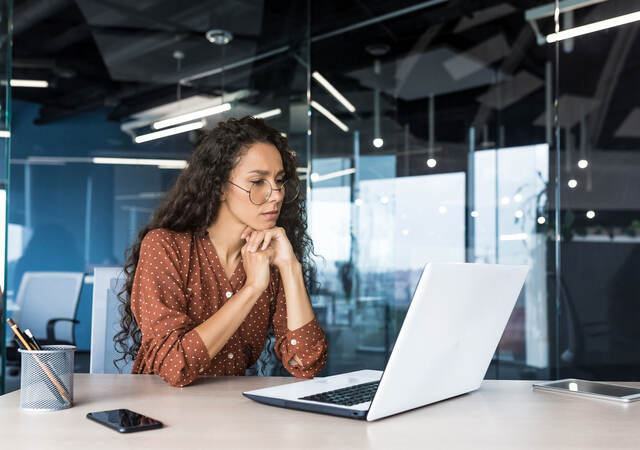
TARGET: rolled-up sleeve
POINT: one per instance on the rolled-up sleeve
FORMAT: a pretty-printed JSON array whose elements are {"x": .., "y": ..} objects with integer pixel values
[
  {"x": 171, "y": 348},
  {"x": 308, "y": 342}
]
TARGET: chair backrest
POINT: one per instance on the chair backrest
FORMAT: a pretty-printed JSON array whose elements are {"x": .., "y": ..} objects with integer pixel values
[
  {"x": 105, "y": 320},
  {"x": 46, "y": 295}
]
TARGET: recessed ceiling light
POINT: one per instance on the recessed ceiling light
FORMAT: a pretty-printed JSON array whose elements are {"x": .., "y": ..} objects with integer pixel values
[
  {"x": 219, "y": 37},
  {"x": 377, "y": 49}
]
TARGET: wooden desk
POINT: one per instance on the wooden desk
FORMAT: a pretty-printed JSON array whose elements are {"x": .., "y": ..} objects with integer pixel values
[{"x": 212, "y": 414}]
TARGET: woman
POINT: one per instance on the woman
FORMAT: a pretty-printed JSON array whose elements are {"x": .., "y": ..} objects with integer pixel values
[{"x": 225, "y": 257}]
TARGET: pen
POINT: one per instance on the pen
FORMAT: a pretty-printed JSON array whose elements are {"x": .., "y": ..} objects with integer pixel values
[
  {"x": 32, "y": 339},
  {"x": 60, "y": 388},
  {"x": 18, "y": 343}
]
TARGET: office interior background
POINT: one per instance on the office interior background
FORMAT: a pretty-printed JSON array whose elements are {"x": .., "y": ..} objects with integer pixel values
[{"x": 434, "y": 131}]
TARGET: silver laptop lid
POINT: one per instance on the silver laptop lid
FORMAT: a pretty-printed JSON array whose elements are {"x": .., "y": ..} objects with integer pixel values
[{"x": 451, "y": 330}]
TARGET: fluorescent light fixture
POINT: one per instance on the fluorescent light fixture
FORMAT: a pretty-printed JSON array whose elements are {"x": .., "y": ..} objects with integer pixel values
[
  {"x": 267, "y": 114},
  {"x": 325, "y": 112},
  {"x": 592, "y": 27},
  {"x": 29, "y": 83},
  {"x": 5, "y": 134},
  {"x": 199, "y": 114},
  {"x": 168, "y": 132},
  {"x": 162, "y": 163},
  {"x": 514, "y": 237},
  {"x": 315, "y": 177},
  {"x": 333, "y": 91},
  {"x": 378, "y": 142}
]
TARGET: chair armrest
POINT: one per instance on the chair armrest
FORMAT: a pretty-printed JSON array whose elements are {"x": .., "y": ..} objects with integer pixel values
[{"x": 51, "y": 333}]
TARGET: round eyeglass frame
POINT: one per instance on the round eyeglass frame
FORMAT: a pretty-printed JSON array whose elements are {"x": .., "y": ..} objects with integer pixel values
[{"x": 271, "y": 189}]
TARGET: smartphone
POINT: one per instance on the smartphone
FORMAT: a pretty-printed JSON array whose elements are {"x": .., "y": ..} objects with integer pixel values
[
  {"x": 124, "y": 420},
  {"x": 594, "y": 389}
]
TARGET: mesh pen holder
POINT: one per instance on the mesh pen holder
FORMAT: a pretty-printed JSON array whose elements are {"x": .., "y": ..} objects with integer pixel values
[{"x": 46, "y": 382}]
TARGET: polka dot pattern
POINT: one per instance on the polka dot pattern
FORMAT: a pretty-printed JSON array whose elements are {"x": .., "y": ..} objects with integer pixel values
[{"x": 179, "y": 283}]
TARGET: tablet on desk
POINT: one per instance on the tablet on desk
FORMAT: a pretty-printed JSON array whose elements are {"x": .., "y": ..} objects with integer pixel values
[{"x": 593, "y": 389}]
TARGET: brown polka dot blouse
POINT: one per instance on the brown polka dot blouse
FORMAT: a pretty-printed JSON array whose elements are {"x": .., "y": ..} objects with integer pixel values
[{"x": 179, "y": 283}]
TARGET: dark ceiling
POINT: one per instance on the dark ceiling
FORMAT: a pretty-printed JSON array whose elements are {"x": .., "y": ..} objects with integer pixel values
[{"x": 120, "y": 54}]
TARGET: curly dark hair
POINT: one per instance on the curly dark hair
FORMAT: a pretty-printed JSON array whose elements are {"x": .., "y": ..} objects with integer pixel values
[{"x": 193, "y": 203}]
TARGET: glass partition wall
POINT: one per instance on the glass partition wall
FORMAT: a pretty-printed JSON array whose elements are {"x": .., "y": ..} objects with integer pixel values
[
  {"x": 5, "y": 143},
  {"x": 434, "y": 131},
  {"x": 599, "y": 171},
  {"x": 424, "y": 149}
]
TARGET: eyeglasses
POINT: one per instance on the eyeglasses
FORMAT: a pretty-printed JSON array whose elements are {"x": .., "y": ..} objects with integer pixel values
[{"x": 261, "y": 190}]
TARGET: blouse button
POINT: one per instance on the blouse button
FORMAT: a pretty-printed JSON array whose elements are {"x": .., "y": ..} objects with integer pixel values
[
  {"x": 230, "y": 355},
  {"x": 201, "y": 369},
  {"x": 228, "y": 294},
  {"x": 293, "y": 342}
]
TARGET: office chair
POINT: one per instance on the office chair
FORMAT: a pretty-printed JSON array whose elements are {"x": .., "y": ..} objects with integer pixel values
[
  {"x": 47, "y": 303},
  {"x": 105, "y": 320}
]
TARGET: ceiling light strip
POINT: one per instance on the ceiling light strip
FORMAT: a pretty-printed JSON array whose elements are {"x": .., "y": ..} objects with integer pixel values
[
  {"x": 593, "y": 27},
  {"x": 267, "y": 114},
  {"x": 206, "y": 112},
  {"x": 162, "y": 163},
  {"x": 168, "y": 132},
  {"x": 325, "y": 112},
  {"x": 333, "y": 91},
  {"x": 340, "y": 173},
  {"x": 29, "y": 83}
]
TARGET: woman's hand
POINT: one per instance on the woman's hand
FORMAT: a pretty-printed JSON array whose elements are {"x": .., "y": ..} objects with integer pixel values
[
  {"x": 256, "y": 266},
  {"x": 274, "y": 238}
]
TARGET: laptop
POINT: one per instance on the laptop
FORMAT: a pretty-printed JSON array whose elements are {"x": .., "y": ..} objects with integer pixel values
[{"x": 453, "y": 325}]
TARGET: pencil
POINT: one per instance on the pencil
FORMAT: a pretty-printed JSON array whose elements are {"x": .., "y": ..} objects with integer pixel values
[
  {"x": 19, "y": 344},
  {"x": 47, "y": 382},
  {"x": 34, "y": 343},
  {"x": 61, "y": 389},
  {"x": 19, "y": 335}
]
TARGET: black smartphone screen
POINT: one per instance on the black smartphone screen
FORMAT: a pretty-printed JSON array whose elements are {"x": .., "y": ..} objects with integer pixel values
[{"x": 124, "y": 420}]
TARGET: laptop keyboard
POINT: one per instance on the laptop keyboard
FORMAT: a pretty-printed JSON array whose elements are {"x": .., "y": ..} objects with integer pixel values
[{"x": 348, "y": 396}]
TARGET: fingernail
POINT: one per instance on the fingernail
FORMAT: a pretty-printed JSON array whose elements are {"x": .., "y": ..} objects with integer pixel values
[{"x": 264, "y": 246}]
